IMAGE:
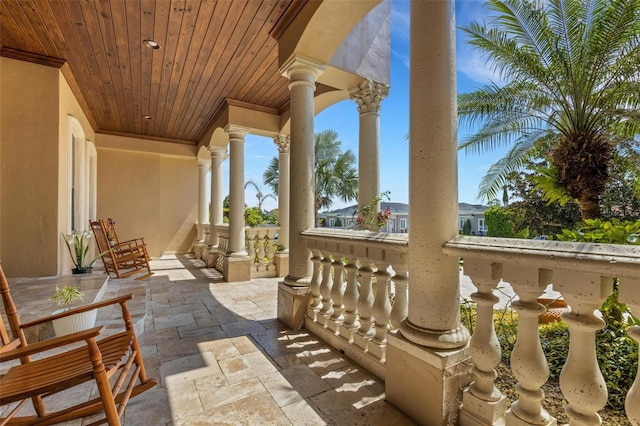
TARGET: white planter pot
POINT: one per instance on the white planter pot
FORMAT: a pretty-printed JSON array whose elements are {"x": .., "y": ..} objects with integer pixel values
[{"x": 74, "y": 323}]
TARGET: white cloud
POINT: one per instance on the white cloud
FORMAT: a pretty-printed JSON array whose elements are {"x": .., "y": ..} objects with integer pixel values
[
  {"x": 472, "y": 64},
  {"x": 400, "y": 19}
]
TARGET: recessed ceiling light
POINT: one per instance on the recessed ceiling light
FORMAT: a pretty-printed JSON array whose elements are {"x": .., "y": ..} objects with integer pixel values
[
  {"x": 151, "y": 44},
  {"x": 146, "y": 117}
]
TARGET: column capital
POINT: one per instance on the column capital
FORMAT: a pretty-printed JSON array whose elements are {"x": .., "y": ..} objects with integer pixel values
[
  {"x": 217, "y": 151},
  {"x": 204, "y": 163},
  {"x": 235, "y": 131},
  {"x": 283, "y": 142},
  {"x": 368, "y": 95},
  {"x": 299, "y": 69}
]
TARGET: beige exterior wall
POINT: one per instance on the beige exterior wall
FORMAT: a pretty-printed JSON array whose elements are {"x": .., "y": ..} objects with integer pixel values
[
  {"x": 149, "y": 195},
  {"x": 29, "y": 132}
]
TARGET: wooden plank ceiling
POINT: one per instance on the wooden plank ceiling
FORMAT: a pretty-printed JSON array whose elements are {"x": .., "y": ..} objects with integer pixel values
[{"x": 209, "y": 50}]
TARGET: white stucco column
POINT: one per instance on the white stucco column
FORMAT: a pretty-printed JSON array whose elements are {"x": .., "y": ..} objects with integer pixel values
[
  {"x": 434, "y": 291},
  {"x": 302, "y": 74},
  {"x": 369, "y": 95},
  {"x": 430, "y": 351},
  {"x": 236, "y": 190},
  {"x": 203, "y": 199},
  {"x": 217, "y": 193},
  {"x": 283, "y": 143}
]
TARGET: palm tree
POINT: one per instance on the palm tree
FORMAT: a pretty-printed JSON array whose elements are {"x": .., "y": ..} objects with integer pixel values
[
  {"x": 259, "y": 194},
  {"x": 571, "y": 91},
  {"x": 335, "y": 171}
]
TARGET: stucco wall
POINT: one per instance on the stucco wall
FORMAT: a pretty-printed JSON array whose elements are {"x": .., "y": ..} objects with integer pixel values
[
  {"x": 149, "y": 195},
  {"x": 29, "y": 168}
]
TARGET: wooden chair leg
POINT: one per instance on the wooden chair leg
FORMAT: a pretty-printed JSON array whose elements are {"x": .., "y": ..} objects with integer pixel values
[{"x": 104, "y": 388}]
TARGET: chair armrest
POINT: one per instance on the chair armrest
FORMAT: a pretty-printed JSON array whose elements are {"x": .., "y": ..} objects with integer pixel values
[
  {"x": 135, "y": 241},
  {"x": 121, "y": 299},
  {"x": 56, "y": 342}
]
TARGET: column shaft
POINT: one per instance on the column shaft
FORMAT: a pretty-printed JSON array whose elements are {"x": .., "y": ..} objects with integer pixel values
[
  {"x": 236, "y": 191},
  {"x": 283, "y": 143},
  {"x": 302, "y": 75},
  {"x": 217, "y": 194},
  {"x": 203, "y": 202},
  {"x": 368, "y": 95},
  {"x": 434, "y": 289}
]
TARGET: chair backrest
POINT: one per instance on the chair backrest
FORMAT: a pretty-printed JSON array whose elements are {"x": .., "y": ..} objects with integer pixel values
[
  {"x": 11, "y": 314},
  {"x": 100, "y": 232}
]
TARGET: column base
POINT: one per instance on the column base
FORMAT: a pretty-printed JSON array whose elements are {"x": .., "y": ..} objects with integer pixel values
[
  {"x": 236, "y": 269},
  {"x": 282, "y": 264},
  {"x": 424, "y": 383},
  {"x": 439, "y": 340},
  {"x": 292, "y": 304},
  {"x": 478, "y": 412}
]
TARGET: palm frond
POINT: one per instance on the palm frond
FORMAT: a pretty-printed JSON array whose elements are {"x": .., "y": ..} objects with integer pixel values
[{"x": 518, "y": 156}]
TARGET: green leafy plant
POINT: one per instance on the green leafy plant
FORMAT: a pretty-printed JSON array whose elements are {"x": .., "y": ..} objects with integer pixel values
[
  {"x": 466, "y": 227},
  {"x": 368, "y": 218},
  {"x": 601, "y": 231},
  {"x": 498, "y": 222},
  {"x": 66, "y": 295},
  {"x": 80, "y": 249}
]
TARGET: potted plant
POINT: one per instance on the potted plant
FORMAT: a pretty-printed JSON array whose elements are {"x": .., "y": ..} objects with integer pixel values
[
  {"x": 64, "y": 297},
  {"x": 80, "y": 251}
]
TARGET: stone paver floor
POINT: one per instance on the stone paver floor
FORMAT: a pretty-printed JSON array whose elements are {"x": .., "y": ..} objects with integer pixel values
[{"x": 221, "y": 357}]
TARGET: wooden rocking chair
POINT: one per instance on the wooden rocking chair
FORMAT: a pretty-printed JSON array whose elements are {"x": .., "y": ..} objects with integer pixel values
[
  {"x": 116, "y": 356},
  {"x": 124, "y": 258}
]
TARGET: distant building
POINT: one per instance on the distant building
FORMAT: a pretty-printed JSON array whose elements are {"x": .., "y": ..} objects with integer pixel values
[
  {"x": 345, "y": 218},
  {"x": 475, "y": 214}
]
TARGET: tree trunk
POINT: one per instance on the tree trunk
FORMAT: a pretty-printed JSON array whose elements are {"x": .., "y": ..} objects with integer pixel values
[{"x": 589, "y": 204}]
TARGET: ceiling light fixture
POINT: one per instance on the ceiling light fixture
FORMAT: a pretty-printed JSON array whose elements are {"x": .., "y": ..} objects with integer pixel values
[{"x": 151, "y": 44}]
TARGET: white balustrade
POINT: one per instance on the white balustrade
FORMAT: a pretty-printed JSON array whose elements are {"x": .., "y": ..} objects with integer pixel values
[
  {"x": 261, "y": 245},
  {"x": 314, "y": 285},
  {"x": 351, "y": 301},
  {"x": 583, "y": 274},
  {"x": 482, "y": 401},
  {"x": 630, "y": 295},
  {"x": 528, "y": 362},
  {"x": 351, "y": 323}
]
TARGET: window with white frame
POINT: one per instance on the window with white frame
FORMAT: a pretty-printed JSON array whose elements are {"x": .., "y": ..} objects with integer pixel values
[
  {"x": 403, "y": 225},
  {"x": 481, "y": 225},
  {"x": 82, "y": 168},
  {"x": 460, "y": 224}
]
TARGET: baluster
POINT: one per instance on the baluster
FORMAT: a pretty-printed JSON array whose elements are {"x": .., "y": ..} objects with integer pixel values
[
  {"x": 400, "y": 308},
  {"x": 326, "y": 286},
  {"x": 630, "y": 295},
  {"x": 581, "y": 381},
  {"x": 381, "y": 305},
  {"x": 316, "y": 279},
  {"x": 528, "y": 362},
  {"x": 482, "y": 400},
  {"x": 261, "y": 252},
  {"x": 365, "y": 302},
  {"x": 251, "y": 250},
  {"x": 337, "y": 291},
  {"x": 269, "y": 242},
  {"x": 351, "y": 322}
]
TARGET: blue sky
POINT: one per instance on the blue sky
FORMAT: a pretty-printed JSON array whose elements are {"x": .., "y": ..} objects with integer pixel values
[{"x": 472, "y": 73}]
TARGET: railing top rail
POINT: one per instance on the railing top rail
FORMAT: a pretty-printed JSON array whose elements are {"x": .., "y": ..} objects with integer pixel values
[
  {"x": 383, "y": 240},
  {"x": 607, "y": 259}
]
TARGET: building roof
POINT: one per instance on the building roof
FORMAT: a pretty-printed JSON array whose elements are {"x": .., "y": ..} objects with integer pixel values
[{"x": 403, "y": 208}]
